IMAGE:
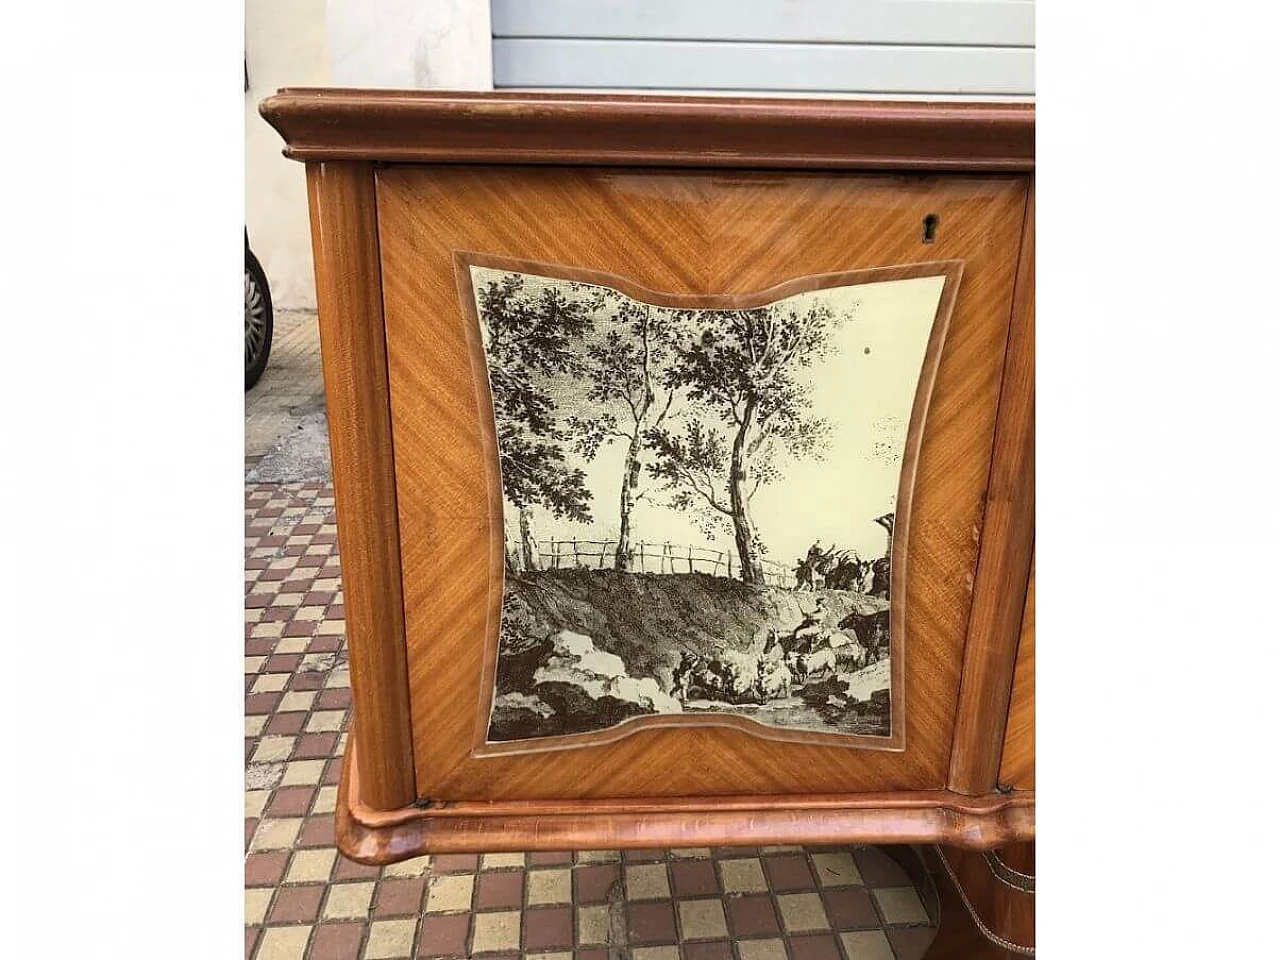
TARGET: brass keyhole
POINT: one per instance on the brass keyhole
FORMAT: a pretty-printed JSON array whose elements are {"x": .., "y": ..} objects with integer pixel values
[{"x": 930, "y": 228}]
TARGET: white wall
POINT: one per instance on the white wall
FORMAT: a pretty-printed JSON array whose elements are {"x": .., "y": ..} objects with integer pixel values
[
  {"x": 285, "y": 45},
  {"x": 427, "y": 44},
  {"x": 443, "y": 44}
]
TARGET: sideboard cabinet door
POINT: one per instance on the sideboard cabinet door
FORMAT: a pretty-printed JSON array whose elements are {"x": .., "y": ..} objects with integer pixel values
[{"x": 690, "y": 469}]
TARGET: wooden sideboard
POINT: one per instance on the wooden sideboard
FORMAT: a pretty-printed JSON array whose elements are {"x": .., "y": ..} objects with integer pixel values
[{"x": 598, "y": 370}]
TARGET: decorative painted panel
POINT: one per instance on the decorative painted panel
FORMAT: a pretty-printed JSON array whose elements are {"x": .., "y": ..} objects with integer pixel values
[{"x": 700, "y": 497}]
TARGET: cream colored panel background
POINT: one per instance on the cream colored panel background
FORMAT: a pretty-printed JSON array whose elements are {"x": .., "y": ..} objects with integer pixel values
[{"x": 865, "y": 388}]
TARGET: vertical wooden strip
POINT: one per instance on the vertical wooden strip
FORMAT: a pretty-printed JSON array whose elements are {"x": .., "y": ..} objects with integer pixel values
[
  {"x": 1018, "y": 760},
  {"x": 354, "y": 351},
  {"x": 1004, "y": 563}
]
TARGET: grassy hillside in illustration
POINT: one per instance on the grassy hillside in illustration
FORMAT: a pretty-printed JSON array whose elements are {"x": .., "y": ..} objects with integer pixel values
[
  {"x": 641, "y": 618},
  {"x": 582, "y": 649}
]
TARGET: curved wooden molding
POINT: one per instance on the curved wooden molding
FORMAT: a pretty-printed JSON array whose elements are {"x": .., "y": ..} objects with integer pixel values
[
  {"x": 401, "y": 126},
  {"x": 1008, "y": 536},
  {"x": 974, "y": 823}
]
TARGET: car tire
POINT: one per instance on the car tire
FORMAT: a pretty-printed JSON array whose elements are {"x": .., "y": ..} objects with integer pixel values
[{"x": 258, "y": 321}]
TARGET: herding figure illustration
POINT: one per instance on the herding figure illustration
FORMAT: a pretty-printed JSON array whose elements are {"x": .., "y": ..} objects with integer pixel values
[{"x": 696, "y": 500}]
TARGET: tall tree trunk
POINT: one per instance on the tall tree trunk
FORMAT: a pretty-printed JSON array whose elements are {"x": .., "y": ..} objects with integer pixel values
[
  {"x": 527, "y": 552},
  {"x": 627, "y": 501},
  {"x": 631, "y": 466},
  {"x": 744, "y": 530}
]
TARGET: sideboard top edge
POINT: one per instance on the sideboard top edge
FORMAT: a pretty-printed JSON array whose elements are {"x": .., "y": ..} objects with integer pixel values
[{"x": 419, "y": 126}]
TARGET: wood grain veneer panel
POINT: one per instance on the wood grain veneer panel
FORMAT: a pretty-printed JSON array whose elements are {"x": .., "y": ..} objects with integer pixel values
[
  {"x": 999, "y": 887},
  {"x": 1018, "y": 762},
  {"x": 1008, "y": 536},
  {"x": 684, "y": 233},
  {"x": 345, "y": 241}
]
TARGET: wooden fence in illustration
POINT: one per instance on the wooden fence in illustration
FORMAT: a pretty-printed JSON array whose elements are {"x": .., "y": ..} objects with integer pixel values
[{"x": 653, "y": 558}]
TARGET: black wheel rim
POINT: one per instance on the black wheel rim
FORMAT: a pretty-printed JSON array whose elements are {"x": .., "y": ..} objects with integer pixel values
[{"x": 255, "y": 321}]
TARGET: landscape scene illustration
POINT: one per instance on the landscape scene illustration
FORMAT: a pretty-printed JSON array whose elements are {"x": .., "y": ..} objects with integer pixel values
[{"x": 698, "y": 503}]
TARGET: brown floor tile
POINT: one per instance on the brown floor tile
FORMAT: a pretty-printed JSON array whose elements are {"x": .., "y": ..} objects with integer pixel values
[
  {"x": 850, "y": 909},
  {"x": 296, "y": 904},
  {"x": 265, "y": 869},
  {"x": 256, "y": 703},
  {"x": 548, "y": 928},
  {"x": 336, "y": 941},
  {"x": 815, "y": 947},
  {"x": 444, "y": 936},
  {"x": 346, "y": 869},
  {"x": 399, "y": 898},
  {"x": 591, "y": 955},
  {"x": 592, "y": 884},
  {"x": 788, "y": 873},
  {"x": 282, "y": 663},
  {"x": 332, "y": 771},
  {"x": 300, "y": 628},
  {"x": 315, "y": 746},
  {"x": 651, "y": 923},
  {"x": 752, "y": 916},
  {"x": 250, "y": 940},
  {"x": 500, "y": 890},
  {"x": 317, "y": 832},
  {"x": 290, "y": 801},
  {"x": 694, "y": 878},
  {"x": 285, "y": 724},
  {"x": 455, "y": 863},
  {"x": 548, "y": 859},
  {"x": 910, "y": 943},
  {"x": 878, "y": 869},
  {"x": 338, "y": 699}
]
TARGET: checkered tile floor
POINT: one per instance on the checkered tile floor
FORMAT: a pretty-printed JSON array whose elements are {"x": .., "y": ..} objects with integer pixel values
[{"x": 304, "y": 900}]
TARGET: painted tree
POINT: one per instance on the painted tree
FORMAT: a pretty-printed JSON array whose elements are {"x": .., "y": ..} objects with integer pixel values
[
  {"x": 623, "y": 371},
  {"x": 743, "y": 367},
  {"x": 532, "y": 337}
]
